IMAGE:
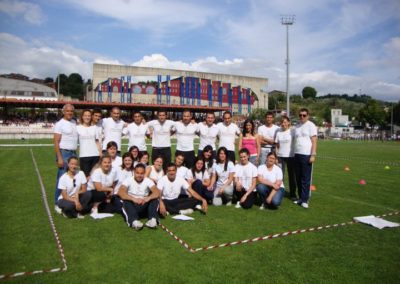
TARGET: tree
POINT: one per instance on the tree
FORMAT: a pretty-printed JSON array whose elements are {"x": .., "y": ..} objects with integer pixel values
[
  {"x": 309, "y": 92},
  {"x": 373, "y": 114},
  {"x": 48, "y": 80},
  {"x": 62, "y": 86},
  {"x": 75, "y": 86},
  {"x": 258, "y": 113}
]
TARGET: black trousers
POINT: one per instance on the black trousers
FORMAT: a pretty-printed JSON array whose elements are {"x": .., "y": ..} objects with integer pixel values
[
  {"x": 132, "y": 211},
  {"x": 248, "y": 203},
  {"x": 175, "y": 205},
  {"x": 202, "y": 190},
  {"x": 69, "y": 209},
  {"x": 164, "y": 152},
  {"x": 189, "y": 158},
  {"x": 290, "y": 164},
  {"x": 87, "y": 163}
]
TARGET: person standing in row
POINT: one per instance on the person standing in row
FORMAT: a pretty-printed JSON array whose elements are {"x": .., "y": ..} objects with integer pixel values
[
  {"x": 284, "y": 146},
  {"x": 65, "y": 145},
  {"x": 267, "y": 135},
  {"x": 112, "y": 129},
  {"x": 249, "y": 139},
  {"x": 89, "y": 145},
  {"x": 227, "y": 134},
  {"x": 305, "y": 151},
  {"x": 161, "y": 130},
  {"x": 185, "y": 134},
  {"x": 208, "y": 132},
  {"x": 136, "y": 132}
]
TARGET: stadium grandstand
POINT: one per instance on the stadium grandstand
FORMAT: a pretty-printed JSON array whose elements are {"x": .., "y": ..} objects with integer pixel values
[{"x": 25, "y": 90}]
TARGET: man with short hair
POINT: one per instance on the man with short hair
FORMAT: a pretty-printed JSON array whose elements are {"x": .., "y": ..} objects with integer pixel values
[
  {"x": 112, "y": 128},
  {"x": 305, "y": 151},
  {"x": 208, "y": 132},
  {"x": 267, "y": 135},
  {"x": 185, "y": 134},
  {"x": 136, "y": 132},
  {"x": 171, "y": 187},
  {"x": 140, "y": 197},
  {"x": 161, "y": 130},
  {"x": 65, "y": 145},
  {"x": 227, "y": 134},
  {"x": 96, "y": 120},
  {"x": 245, "y": 180}
]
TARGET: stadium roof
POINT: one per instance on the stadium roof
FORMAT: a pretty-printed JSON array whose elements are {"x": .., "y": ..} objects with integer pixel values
[
  {"x": 90, "y": 105},
  {"x": 10, "y": 87}
]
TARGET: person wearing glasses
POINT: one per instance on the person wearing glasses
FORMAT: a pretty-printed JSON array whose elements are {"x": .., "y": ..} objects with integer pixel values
[
  {"x": 136, "y": 132},
  {"x": 112, "y": 129},
  {"x": 305, "y": 150},
  {"x": 74, "y": 199}
]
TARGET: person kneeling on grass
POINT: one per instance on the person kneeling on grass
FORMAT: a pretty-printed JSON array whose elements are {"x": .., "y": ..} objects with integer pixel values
[
  {"x": 199, "y": 180},
  {"x": 270, "y": 187},
  {"x": 171, "y": 202},
  {"x": 140, "y": 196},
  {"x": 101, "y": 185},
  {"x": 245, "y": 180},
  {"x": 74, "y": 199}
]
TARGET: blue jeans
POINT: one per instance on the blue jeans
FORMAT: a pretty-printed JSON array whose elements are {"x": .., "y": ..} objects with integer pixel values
[
  {"x": 264, "y": 191},
  {"x": 65, "y": 156},
  {"x": 303, "y": 169}
]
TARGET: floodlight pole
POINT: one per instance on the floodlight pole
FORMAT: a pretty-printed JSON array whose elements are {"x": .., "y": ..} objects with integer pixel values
[{"x": 287, "y": 20}]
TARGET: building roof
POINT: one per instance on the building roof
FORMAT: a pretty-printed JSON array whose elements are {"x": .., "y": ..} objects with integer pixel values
[{"x": 13, "y": 87}]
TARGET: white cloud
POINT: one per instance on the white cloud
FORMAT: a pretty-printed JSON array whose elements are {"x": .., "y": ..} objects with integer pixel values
[
  {"x": 160, "y": 17},
  {"x": 32, "y": 13}
]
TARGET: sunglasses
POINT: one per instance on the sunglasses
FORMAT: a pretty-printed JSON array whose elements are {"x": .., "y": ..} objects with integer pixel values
[{"x": 302, "y": 115}]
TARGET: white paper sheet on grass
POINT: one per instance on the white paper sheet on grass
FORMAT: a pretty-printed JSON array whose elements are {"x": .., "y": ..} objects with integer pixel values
[
  {"x": 376, "y": 222},
  {"x": 182, "y": 217},
  {"x": 101, "y": 215}
]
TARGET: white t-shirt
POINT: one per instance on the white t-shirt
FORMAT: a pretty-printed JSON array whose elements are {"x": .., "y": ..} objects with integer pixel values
[
  {"x": 268, "y": 132},
  {"x": 208, "y": 135},
  {"x": 284, "y": 139},
  {"x": 138, "y": 190},
  {"x": 137, "y": 135},
  {"x": 227, "y": 135},
  {"x": 185, "y": 135},
  {"x": 112, "y": 131},
  {"x": 87, "y": 141},
  {"x": 198, "y": 175},
  {"x": 106, "y": 180},
  {"x": 222, "y": 174},
  {"x": 303, "y": 133},
  {"x": 67, "y": 183},
  {"x": 182, "y": 172},
  {"x": 161, "y": 132},
  {"x": 116, "y": 163},
  {"x": 246, "y": 173},
  {"x": 69, "y": 134},
  {"x": 154, "y": 175},
  {"x": 172, "y": 190},
  {"x": 122, "y": 175},
  {"x": 271, "y": 175}
]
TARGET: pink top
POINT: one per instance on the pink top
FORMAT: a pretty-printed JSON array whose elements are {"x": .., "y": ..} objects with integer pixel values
[{"x": 250, "y": 144}]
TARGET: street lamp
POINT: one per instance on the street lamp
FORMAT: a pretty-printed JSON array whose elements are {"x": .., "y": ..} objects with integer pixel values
[{"x": 287, "y": 20}]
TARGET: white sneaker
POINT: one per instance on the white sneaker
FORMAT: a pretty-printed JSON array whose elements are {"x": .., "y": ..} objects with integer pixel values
[
  {"x": 229, "y": 203},
  {"x": 262, "y": 207},
  {"x": 186, "y": 211},
  {"x": 198, "y": 207},
  {"x": 137, "y": 225},
  {"x": 238, "y": 205},
  {"x": 57, "y": 209},
  {"x": 298, "y": 202},
  {"x": 152, "y": 223},
  {"x": 94, "y": 211},
  {"x": 80, "y": 216},
  {"x": 304, "y": 205}
]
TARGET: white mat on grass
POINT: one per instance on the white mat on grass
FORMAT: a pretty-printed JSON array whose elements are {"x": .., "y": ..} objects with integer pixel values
[
  {"x": 182, "y": 217},
  {"x": 101, "y": 215},
  {"x": 376, "y": 222}
]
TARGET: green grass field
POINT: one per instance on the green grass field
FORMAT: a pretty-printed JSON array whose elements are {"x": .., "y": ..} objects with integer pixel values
[{"x": 107, "y": 251}]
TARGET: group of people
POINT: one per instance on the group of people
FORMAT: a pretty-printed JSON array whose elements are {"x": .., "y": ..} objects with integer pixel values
[{"x": 134, "y": 186}]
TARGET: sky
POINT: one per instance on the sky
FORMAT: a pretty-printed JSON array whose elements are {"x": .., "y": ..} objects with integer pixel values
[{"x": 336, "y": 46}]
